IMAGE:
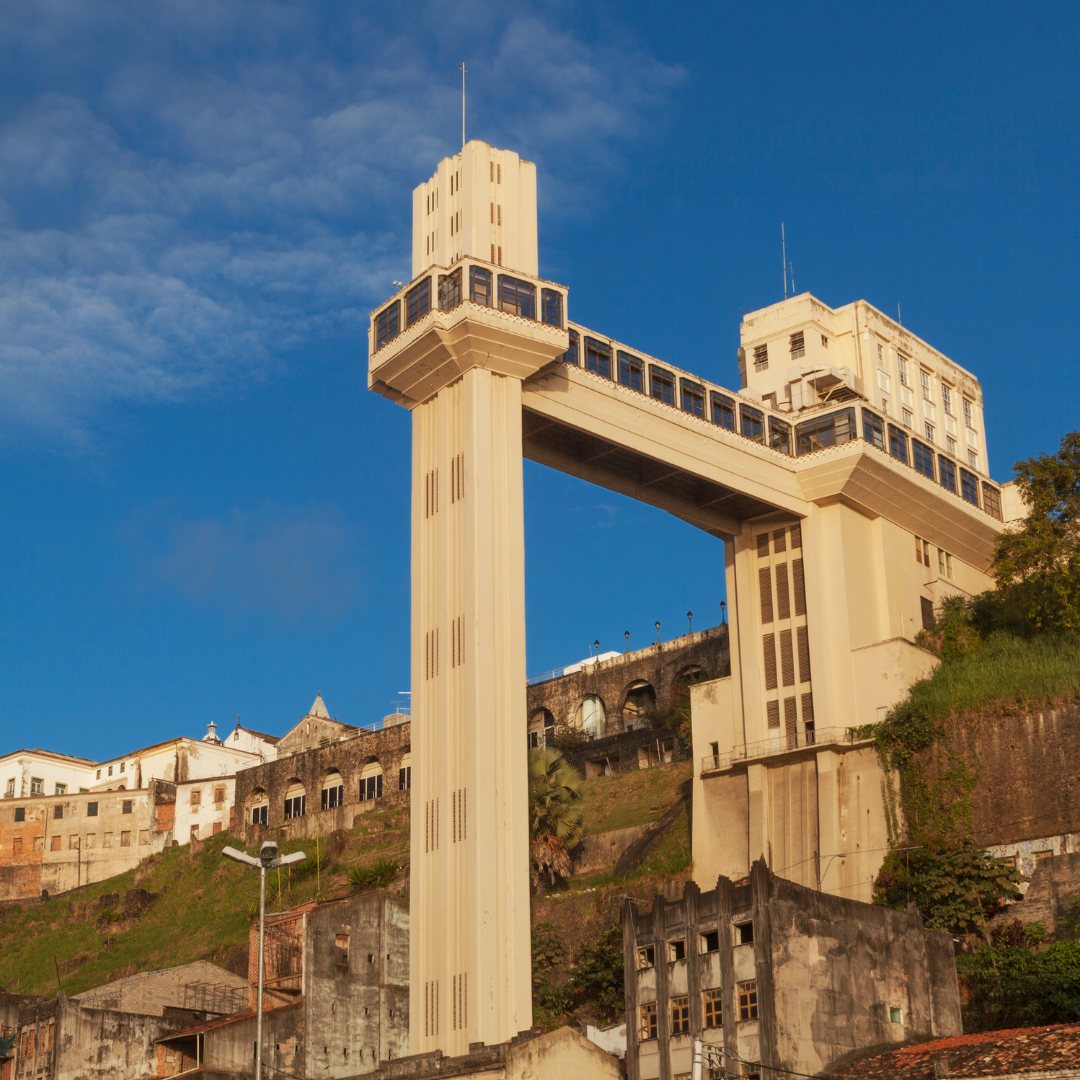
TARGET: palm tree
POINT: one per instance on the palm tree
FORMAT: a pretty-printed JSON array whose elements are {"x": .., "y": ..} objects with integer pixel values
[{"x": 556, "y": 820}]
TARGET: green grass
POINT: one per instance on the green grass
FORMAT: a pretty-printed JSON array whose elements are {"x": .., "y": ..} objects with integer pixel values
[
  {"x": 617, "y": 802},
  {"x": 1005, "y": 671}
]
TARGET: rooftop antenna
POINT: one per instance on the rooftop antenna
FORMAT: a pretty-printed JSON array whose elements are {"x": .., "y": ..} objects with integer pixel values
[
  {"x": 791, "y": 267},
  {"x": 464, "y": 69},
  {"x": 899, "y": 321},
  {"x": 783, "y": 256}
]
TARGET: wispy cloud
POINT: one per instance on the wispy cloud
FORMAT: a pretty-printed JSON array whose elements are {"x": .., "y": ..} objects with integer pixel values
[
  {"x": 189, "y": 191},
  {"x": 289, "y": 563}
]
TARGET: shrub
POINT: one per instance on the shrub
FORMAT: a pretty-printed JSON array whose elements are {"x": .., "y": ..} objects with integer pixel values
[{"x": 376, "y": 876}]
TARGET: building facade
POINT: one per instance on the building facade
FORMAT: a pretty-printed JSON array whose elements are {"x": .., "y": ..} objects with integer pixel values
[{"x": 770, "y": 974}]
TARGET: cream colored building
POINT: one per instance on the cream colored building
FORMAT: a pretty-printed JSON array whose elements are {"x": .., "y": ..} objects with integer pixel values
[{"x": 846, "y": 477}]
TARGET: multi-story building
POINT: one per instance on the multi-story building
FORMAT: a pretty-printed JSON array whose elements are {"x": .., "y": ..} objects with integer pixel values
[{"x": 770, "y": 975}]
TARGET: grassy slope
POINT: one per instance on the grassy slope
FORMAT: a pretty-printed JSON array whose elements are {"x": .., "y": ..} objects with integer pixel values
[{"x": 204, "y": 903}]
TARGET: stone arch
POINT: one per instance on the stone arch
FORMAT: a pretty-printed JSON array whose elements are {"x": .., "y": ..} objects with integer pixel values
[
  {"x": 257, "y": 808},
  {"x": 295, "y": 802},
  {"x": 590, "y": 717},
  {"x": 639, "y": 704},
  {"x": 541, "y": 727},
  {"x": 331, "y": 790},
  {"x": 371, "y": 780}
]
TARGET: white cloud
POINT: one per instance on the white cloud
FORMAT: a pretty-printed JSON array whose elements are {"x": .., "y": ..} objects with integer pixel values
[{"x": 187, "y": 189}]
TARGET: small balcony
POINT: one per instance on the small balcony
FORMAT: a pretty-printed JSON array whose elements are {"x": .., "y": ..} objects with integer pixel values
[{"x": 781, "y": 743}]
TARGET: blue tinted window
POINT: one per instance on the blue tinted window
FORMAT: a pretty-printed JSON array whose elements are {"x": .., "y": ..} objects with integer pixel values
[
  {"x": 517, "y": 297},
  {"x": 693, "y": 397},
  {"x": 752, "y": 423},
  {"x": 551, "y": 307},
  {"x": 922, "y": 457},
  {"x": 947, "y": 474},
  {"x": 572, "y": 356},
  {"x": 480, "y": 285},
  {"x": 418, "y": 301},
  {"x": 969, "y": 487},
  {"x": 723, "y": 410},
  {"x": 898, "y": 444},
  {"x": 598, "y": 357},
  {"x": 661, "y": 385},
  {"x": 779, "y": 435},
  {"x": 631, "y": 372},
  {"x": 387, "y": 324},
  {"x": 873, "y": 429}
]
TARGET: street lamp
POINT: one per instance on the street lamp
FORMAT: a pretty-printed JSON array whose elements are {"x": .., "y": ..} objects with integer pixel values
[
  {"x": 268, "y": 859},
  {"x": 626, "y": 634},
  {"x": 689, "y": 622},
  {"x": 723, "y": 612},
  {"x": 657, "y": 625}
]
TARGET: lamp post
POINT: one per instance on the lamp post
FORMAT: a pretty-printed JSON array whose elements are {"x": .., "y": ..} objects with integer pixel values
[
  {"x": 657, "y": 625},
  {"x": 689, "y": 622},
  {"x": 723, "y": 612},
  {"x": 626, "y": 634},
  {"x": 596, "y": 647},
  {"x": 268, "y": 860}
]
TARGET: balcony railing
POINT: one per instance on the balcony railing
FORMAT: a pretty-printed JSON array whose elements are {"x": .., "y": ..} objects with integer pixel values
[{"x": 778, "y": 744}]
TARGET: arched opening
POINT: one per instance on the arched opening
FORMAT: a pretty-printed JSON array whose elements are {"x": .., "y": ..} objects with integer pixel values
[
  {"x": 332, "y": 792},
  {"x": 541, "y": 727},
  {"x": 404, "y": 775},
  {"x": 639, "y": 705},
  {"x": 590, "y": 717},
  {"x": 258, "y": 806},
  {"x": 371, "y": 781},
  {"x": 295, "y": 800}
]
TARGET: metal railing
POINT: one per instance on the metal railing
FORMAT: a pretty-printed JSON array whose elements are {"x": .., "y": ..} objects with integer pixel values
[{"x": 781, "y": 743}]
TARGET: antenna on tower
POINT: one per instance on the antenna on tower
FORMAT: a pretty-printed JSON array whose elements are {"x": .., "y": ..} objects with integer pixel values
[
  {"x": 783, "y": 256},
  {"x": 791, "y": 268},
  {"x": 899, "y": 321},
  {"x": 464, "y": 69}
]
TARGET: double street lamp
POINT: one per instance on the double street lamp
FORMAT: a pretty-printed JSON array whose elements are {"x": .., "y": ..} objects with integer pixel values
[{"x": 268, "y": 859}]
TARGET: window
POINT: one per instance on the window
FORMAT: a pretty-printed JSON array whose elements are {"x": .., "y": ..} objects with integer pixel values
[
  {"x": 779, "y": 435},
  {"x": 126, "y": 807},
  {"x": 712, "y": 1005},
  {"x": 219, "y": 796},
  {"x": 693, "y": 397},
  {"x": 723, "y": 410},
  {"x": 946, "y": 398},
  {"x": 761, "y": 357},
  {"x": 902, "y": 367},
  {"x": 60, "y": 789},
  {"x": 449, "y": 290},
  {"x": 551, "y": 307},
  {"x": 661, "y": 385},
  {"x": 968, "y": 414},
  {"x": 898, "y": 447},
  {"x": 924, "y": 382},
  {"x": 123, "y": 766},
  {"x": 906, "y": 417},
  {"x": 969, "y": 487},
  {"x": 831, "y": 430},
  {"x": 928, "y": 431},
  {"x": 896, "y": 1015},
  {"x": 110, "y": 770},
  {"x": 58, "y": 811},
  {"x": 873, "y": 429},
  {"x": 680, "y": 1015},
  {"x": 196, "y": 796},
  {"x": 991, "y": 500},
  {"x": 598, "y": 357},
  {"x": 16, "y": 845},
  {"x": 752, "y": 423},
  {"x": 387, "y": 327},
  {"x": 517, "y": 297},
  {"x": 91, "y": 809},
  {"x": 944, "y": 562},
  {"x": 922, "y": 457},
  {"x": 973, "y": 459},
  {"x": 927, "y": 610},
  {"x": 341, "y": 950},
  {"x": 946, "y": 474},
  {"x": 748, "y": 999},
  {"x": 54, "y": 843},
  {"x": 646, "y": 957},
  {"x": 647, "y": 1020},
  {"x": 295, "y": 802},
  {"x": 744, "y": 933},
  {"x": 125, "y": 839},
  {"x": 37, "y": 785},
  {"x": 371, "y": 786},
  {"x": 798, "y": 345},
  {"x": 73, "y": 843},
  {"x": 332, "y": 793},
  {"x": 710, "y": 939},
  {"x": 404, "y": 778},
  {"x": 480, "y": 285},
  {"x": 418, "y": 301},
  {"x": 676, "y": 950},
  {"x": 9, "y": 788},
  {"x": 571, "y": 356},
  {"x": 631, "y": 372},
  {"x": 99, "y": 774},
  {"x": 260, "y": 813}
]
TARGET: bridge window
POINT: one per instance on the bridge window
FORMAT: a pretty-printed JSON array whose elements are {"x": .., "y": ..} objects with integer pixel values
[
  {"x": 541, "y": 727},
  {"x": 831, "y": 430},
  {"x": 723, "y": 410},
  {"x": 450, "y": 290},
  {"x": 639, "y": 705},
  {"x": 661, "y": 385},
  {"x": 693, "y": 397},
  {"x": 598, "y": 357},
  {"x": 922, "y": 458},
  {"x": 387, "y": 324},
  {"x": 779, "y": 435},
  {"x": 947, "y": 474},
  {"x": 898, "y": 444},
  {"x": 873, "y": 428},
  {"x": 480, "y": 285},
  {"x": 991, "y": 500},
  {"x": 551, "y": 307},
  {"x": 590, "y": 717},
  {"x": 418, "y": 301},
  {"x": 572, "y": 355},
  {"x": 259, "y": 807},
  {"x": 295, "y": 800},
  {"x": 332, "y": 791},
  {"x": 404, "y": 780},
  {"x": 752, "y": 423},
  {"x": 969, "y": 487},
  {"x": 631, "y": 372},
  {"x": 371, "y": 781},
  {"x": 517, "y": 297}
]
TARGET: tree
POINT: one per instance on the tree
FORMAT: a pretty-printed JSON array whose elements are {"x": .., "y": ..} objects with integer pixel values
[
  {"x": 956, "y": 887},
  {"x": 556, "y": 821},
  {"x": 1038, "y": 565}
]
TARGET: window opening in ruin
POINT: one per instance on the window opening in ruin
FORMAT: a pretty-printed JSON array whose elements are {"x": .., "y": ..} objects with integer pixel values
[
  {"x": 748, "y": 999},
  {"x": 647, "y": 1021},
  {"x": 744, "y": 933},
  {"x": 710, "y": 941},
  {"x": 676, "y": 949},
  {"x": 646, "y": 957},
  {"x": 341, "y": 950},
  {"x": 680, "y": 1015},
  {"x": 712, "y": 1004}
]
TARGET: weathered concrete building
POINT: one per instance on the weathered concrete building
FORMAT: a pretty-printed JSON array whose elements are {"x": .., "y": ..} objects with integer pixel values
[
  {"x": 336, "y": 996},
  {"x": 769, "y": 973}
]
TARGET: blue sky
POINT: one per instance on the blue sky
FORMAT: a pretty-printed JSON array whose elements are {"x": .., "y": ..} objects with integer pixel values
[{"x": 205, "y": 512}]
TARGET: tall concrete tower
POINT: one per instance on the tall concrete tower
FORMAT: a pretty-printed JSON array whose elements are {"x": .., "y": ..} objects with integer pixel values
[{"x": 453, "y": 346}]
